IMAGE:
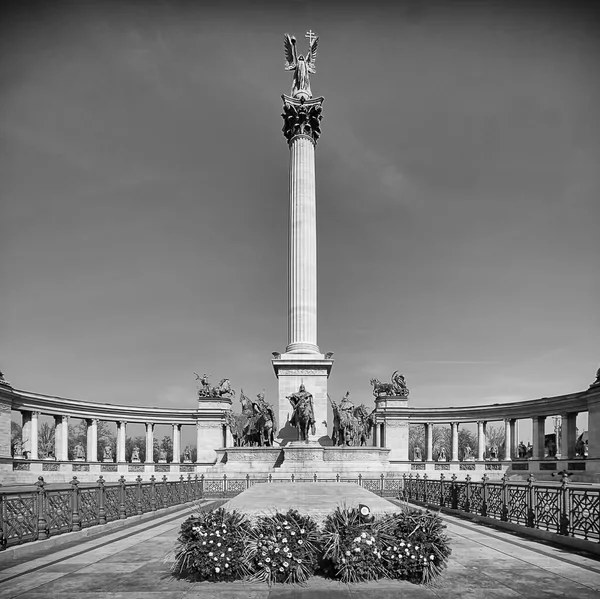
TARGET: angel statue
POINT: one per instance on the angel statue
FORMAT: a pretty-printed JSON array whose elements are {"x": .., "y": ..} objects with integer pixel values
[{"x": 300, "y": 64}]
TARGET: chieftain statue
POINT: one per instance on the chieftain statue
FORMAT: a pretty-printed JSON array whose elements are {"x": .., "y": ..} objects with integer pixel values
[
  {"x": 397, "y": 388},
  {"x": 303, "y": 416},
  {"x": 206, "y": 390},
  {"x": 300, "y": 64},
  {"x": 259, "y": 426},
  {"x": 351, "y": 425}
]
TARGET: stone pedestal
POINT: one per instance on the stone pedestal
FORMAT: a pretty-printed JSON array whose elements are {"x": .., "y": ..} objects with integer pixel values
[
  {"x": 393, "y": 426},
  {"x": 311, "y": 370},
  {"x": 210, "y": 427}
]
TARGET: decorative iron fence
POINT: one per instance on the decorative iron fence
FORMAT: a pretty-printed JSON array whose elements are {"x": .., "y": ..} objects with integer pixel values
[
  {"x": 38, "y": 514},
  {"x": 566, "y": 509}
]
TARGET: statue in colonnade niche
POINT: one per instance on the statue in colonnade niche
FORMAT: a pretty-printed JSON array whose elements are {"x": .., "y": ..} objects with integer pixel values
[
  {"x": 442, "y": 455},
  {"x": 108, "y": 454},
  {"x": 521, "y": 450},
  {"x": 417, "y": 457},
  {"x": 135, "y": 454},
  {"x": 162, "y": 455},
  {"x": 79, "y": 452},
  {"x": 468, "y": 454},
  {"x": 187, "y": 454},
  {"x": 494, "y": 452}
]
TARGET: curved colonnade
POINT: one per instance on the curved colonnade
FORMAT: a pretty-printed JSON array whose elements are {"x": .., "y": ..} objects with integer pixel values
[{"x": 391, "y": 431}]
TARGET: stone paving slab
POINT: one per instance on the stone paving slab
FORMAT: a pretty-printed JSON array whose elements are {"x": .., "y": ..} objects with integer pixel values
[
  {"x": 314, "y": 499},
  {"x": 485, "y": 564}
]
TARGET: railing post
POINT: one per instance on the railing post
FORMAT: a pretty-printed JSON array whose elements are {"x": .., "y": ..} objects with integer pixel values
[
  {"x": 75, "y": 518},
  {"x": 165, "y": 492},
  {"x": 201, "y": 486},
  {"x": 359, "y": 479},
  {"x": 122, "y": 510},
  {"x": 196, "y": 487},
  {"x": 315, "y": 477},
  {"x": 417, "y": 479},
  {"x": 530, "y": 501},
  {"x": 189, "y": 489},
  {"x": 467, "y": 506},
  {"x": 454, "y": 493},
  {"x": 564, "y": 508},
  {"x": 382, "y": 477},
  {"x": 337, "y": 477},
  {"x": 153, "y": 493},
  {"x": 3, "y": 539},
  {"x": 101, "y": 501},
  {"x": 138, "y": 493},
  {"x": 504, "y": 514},
  {"x": 42, "y": 524},
  {"x": 224, "y": 484},
  {"x": 425, "y": 488},
  {"x": 247, "y": 481},
  {"x": 270, "y": 477},
  {"x": 484, "y": 495},
  {"x": 293, "y": 477}
]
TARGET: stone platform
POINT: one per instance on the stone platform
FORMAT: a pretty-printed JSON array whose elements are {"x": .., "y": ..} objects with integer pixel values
[{"x": 314, "y": 499}]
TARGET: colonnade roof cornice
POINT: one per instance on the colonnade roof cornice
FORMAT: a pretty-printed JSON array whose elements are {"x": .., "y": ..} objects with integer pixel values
[
  {"x": 544, "y": 406},
  {"x": 59, "y": 406}
]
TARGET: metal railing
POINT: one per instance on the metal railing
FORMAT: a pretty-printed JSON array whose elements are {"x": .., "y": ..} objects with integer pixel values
[
  {"x": 565, "y": 508},
  {"x": 49, "y": 510}
]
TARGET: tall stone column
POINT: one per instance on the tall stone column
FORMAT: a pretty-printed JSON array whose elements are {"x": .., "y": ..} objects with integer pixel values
[
  {"x": 454, "y": 426},
  {"x": 507, "y": 440},
  {"x": 92, "y": 439},
  {"x": 569, "y": 435},
  {"x": 514, "y": 431},
  {"x": 58, "y": 437},
  {"x": 176, "y": 443},
  {"x": 539, "y": 437},
  {"x": 480, "y": 440},
  {"x": 26, "y": 432},
  {"x": 121, "y": 435},
  {"x": 429, "y": 441},
  {"x": 35, "y": 423},
  {"x": 302, "y": 363},
  {"x": 149, "y": 442}
]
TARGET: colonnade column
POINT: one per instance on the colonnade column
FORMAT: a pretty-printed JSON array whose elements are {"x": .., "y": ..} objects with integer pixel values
[
  {"x": 92, "y": 439},
  {"x": 568, "y": 433},
  {"x": 26, "y": 433},
  {"x": 34, "y": 435},
  {"x": 481, "y": 440},
  {"x": 57, "y": 437},
  {"x": 375, "y": 435},
  {"x": 454, "y": 426},
  {"x": 507, "y": 440},
  {"x": 429, "y": 441},
  {"x": 149, "y": 442},
  {"x": 539, "y": 437},
  {"x": 176, "y": 443},
  {"x": 513, "y": 437},
  {"x": 121, "y": 431}
]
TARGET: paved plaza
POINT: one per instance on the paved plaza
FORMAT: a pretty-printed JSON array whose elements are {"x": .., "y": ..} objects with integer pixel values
[{"x": 134, "y": 562}]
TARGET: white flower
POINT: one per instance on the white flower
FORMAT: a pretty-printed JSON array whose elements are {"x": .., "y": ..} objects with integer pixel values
[
  {"x": 402, "y": 544},
  {"x": 264, "y": 553},
  {"x": 408, "y": 545},
  {"x": 299, "y": 561},
  {"x": 364, "y": 535},
  {"x": 229, "y": 549},
  {"x": 217, "y": 570},
  {"x": 210, "y": 542},
  {"x": 204, "y": 542},
  {"x": 218, "y": 544},
  {"x": 347, "y": 553},
  {"x": 431, "y": 557},
  {"x": 227, "y": 565},
  {"x": 357, "y": 549},
  {"x": 222, "y": 555},
  {"x": 343, "y": 560},
  {"x": 268, "y": 560},
  {"x": 210, "y": 554},
  {"x": 281, "y": 569},
  {"x": 276, "y": 549},
  {"x": 292, "y": 533},
  {"x": 416, "y": 547},
  {"x": 285, "y": 564},
  {"x": 300, "y": 542},
  {"x": 217, "y": 533},
  {"x": 369, "y": 542},
  {"x": 260, "y": 563},
  {"x": 284, "y": 540},
  {"x": 279, "y": 528},
  {"x": 357, "y": 540},
  {"x": 413, "y": 556},
  {"x": 301, "y": 531},
  {"x": 289, "y": 555}
]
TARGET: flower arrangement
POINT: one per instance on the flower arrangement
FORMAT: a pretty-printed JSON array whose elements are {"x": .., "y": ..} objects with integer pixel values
[
  {"x": 283, "y": 548},
  {"x": 352, "y": 549},
  {"x": 414, "y": 546},
  {"x": 211, "y": 546},
  {"x": 351, "y": 546}
]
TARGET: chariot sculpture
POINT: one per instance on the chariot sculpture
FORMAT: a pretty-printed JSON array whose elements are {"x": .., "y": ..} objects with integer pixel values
[
  {"x": 207, "y": 390},
  {"x": 396, "y": 388}
]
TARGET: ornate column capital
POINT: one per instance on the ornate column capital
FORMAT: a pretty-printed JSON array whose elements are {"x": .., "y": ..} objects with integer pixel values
[
  {"x": 149, "y": 425},
  {"x": 302, "y": 117}
]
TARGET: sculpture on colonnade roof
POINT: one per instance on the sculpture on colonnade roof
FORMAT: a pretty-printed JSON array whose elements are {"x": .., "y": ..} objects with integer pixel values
[{"x": 397, "y": 387}]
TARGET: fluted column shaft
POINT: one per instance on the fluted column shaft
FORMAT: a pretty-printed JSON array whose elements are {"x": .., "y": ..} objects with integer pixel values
[
  {"x": 121, "y": 432},
  {"x": 480, "y": 440},
  {"x": 429, "y": 441},
  {"x": 454, "y": 426},
  {"x": 92, "y": 439},
  {"x": 539, "y": 437},
  {"x": 507, "y": 440},
  {"x": 176, "y": 443},
  {"x": 302, "y": 275},
  {"x": 149, "y": 442}
]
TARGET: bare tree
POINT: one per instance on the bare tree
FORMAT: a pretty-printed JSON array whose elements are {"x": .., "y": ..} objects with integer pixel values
[
  {"x": 46, "y": 440},
  {"x": 495, "y": 436}
]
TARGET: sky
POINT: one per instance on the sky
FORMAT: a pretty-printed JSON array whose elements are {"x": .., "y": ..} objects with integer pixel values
[{"x": 143, "y": 228}]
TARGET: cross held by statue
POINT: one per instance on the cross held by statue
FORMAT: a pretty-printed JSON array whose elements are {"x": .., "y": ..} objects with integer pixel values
[{"x": 310, "y": 35}]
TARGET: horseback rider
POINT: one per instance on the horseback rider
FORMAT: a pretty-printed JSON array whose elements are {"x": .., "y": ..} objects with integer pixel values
[{"x": 302, "y": 404}]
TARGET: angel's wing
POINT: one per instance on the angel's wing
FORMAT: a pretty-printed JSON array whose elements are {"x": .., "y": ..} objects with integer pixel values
[
  {"x": 290, "y": 51},
  {"x": 312, "y": 52}
]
